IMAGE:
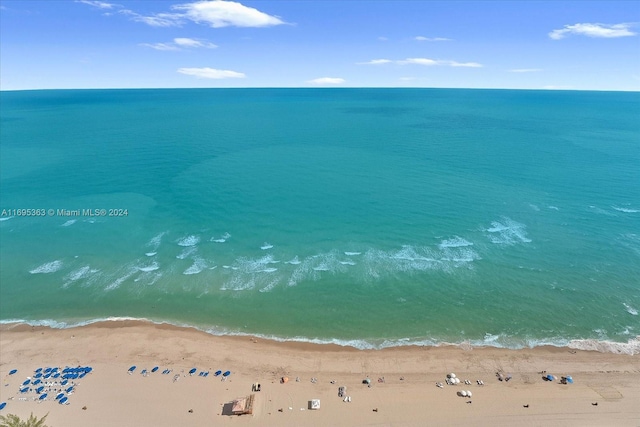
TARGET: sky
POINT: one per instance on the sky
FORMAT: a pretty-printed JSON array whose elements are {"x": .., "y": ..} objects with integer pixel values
[{"x": 566, "y": 45}]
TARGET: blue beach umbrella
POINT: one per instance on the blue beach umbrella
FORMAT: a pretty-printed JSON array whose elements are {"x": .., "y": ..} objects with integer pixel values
[
  {"x": 217, "y": 373},
  {"x": 39, "y": 389},
  {"x": 226, "y": 374},
  {"x": 133, "y": 368},
  {"x": 2, "y": 405},
  {"x": 59, "y": 396},
  {"x": 13, "y": 371},
  {"x": 63, "y": 401},
  {"x": 38, "y": 375},
  {"x": 69, "y": 389},
  {"x": 64, "y": 382},
  {"x": 154, "y": 369},
  {"x": 26, "y": 382},
  {"x": 192, "y": 371},
  {"x": 36, "y": 382},
  {"x": 569, "y": 380},
  {"x": 43, "y": 396}
]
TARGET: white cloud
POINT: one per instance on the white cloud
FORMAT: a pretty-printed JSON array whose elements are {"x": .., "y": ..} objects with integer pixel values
[
  {"x": 157, "y": 20},
  {"x": 431, "y": 39},
  {"x": 98, "y": 4},
  {"x": 327, "y": 81},
  {"x": 431, "y": 62},
  {"x": 593, "y": 30},
  {"x": 525, "y": 70},
  {"x": 187, "y": 42},
  {"x": 461, "y": 64},
  {"x": 219, "y": 13},
  {"x": 160, "y": 46},
  {"x": 420, "y": 61},
  {"x": 179, "y": 43},
  {"x": 423, "y": 61},
  {"x": 382, "y": 39},
  {"x": 211, "y": 73},
  {"x": 375, "y": 62}
]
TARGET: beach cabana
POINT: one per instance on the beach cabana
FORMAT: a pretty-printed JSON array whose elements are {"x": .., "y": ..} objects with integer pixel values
[{"x": 243, "y": 405}]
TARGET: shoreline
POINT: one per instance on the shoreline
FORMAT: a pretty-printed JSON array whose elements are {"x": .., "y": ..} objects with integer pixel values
[
  {"x": 631, "y": 347},
  {"x": 408, "y": 395}
]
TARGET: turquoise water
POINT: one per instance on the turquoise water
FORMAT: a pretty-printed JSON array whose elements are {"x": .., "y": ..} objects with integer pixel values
[{"x": 368, "y": 217}]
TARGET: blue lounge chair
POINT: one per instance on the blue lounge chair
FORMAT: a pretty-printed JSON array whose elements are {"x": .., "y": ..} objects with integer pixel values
[
  {"x": 63, "y": 401},
  {"x": 192, "y": 371},
  {"x": 2, "y": 405},
  {"x": 131, "y": 369},
  {"x": 206, "y": 374}
]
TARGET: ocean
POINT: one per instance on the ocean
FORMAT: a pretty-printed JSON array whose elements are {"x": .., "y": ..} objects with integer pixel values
[{"x": 362, "y": 217}]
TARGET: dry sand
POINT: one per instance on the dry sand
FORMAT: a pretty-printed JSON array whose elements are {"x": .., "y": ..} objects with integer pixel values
[{"x": 109, "y": 396}]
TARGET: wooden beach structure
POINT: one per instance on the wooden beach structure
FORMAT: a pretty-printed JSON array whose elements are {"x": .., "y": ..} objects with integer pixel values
[{"x": 243, "y": 405}]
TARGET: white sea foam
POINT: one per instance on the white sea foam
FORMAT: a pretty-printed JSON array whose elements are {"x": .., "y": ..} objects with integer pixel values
[
  {"x": 80, "y": 273},
  {"x": 555, "y": 208},
  {"x": 631, "y": 347},
  {"x": 347, "y": 263},
  {"x": 198, "y": 265},
  {"x": 189, "y": 241},
  {"x": 68, "y": 223},
  {"x": 507, "y": 232},
  {"x": 6, "y": 219},
  {"x": 266, "y": 246},
  {"x": 154, "y": 243},
  {"x": 269, "y": 270},
  {"x": 294, "y": 261},
  {"x": 49, "y": 267},
  {"x": 455, "y": 242},
  {"x": 186, "y": 252},
  {"x": 151, "y": 253},
  {"x": 626, "y": 210},
  {"x": 630, "y": 309},
  {"x": 352, "y": 253},
  {"x": 221, "y": 239},
  {"x": 116, "y": 283},
  {"x": 150, "y": 267}
]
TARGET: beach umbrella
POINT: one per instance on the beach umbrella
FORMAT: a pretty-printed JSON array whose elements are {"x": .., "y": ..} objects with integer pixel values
[
  {"x": 192, "y": 371},
  {"x": 27, "y": 381},
  {"x": 469, "y": 393},
  {"x": 226, "y": 374},
  {"x": 131, "y": 369},
  {"x": 24, "y": 390},
  {"x": 64, "y": 382},
  {"x": 2, "y": 405},
  {"x": 456, "y": 380},
  {"x": 39, "y": 389},
  {"x": 43, "y": 396},
  {"x": 38, "y": 370},
  {"x": 462, "y": 393},
  {"x": 284, "y": 380},
  {"x": 59, "y": 395},
  {"x": 13, "y": 371},
  {"x": 63, "y": 401},
  {"x": 38, "y": 375},
  {"x": 217, "y": 373},
  {"x": 569, "y": 380},
  {"x": 154, "y": 369},
  {"x": 550, "y": 377}
]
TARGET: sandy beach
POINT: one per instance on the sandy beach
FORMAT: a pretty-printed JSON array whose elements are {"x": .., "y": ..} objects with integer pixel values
[{"x": 403, "y": 389}]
